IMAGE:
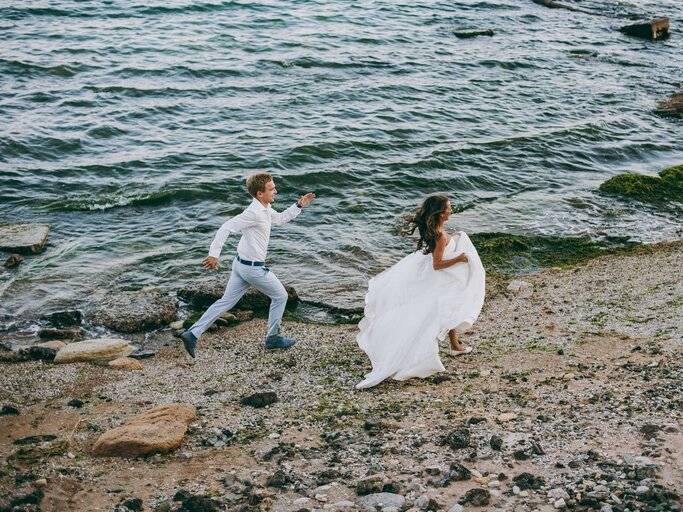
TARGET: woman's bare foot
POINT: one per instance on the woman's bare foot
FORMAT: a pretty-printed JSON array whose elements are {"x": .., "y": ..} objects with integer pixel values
[{"x": 457, "y": 348}]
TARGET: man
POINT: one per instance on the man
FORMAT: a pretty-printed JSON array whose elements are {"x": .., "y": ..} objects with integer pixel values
[{"x": 248, "y": 267}]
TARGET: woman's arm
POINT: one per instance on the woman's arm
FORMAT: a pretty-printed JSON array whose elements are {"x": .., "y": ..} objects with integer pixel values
[{"x": 437, "y": 256}]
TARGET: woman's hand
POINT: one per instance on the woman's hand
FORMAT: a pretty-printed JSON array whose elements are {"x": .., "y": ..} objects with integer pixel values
[{"x": 462, "y": 258}]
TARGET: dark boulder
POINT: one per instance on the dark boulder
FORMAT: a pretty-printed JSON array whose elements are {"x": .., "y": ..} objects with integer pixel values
[
  {"x": 469, "y": 34},
  {"x": 13, "y": 261},
  {"x": 261, "y": 399},
  {"x": 476, "y": 497},
  {"x": 64, "y": 318},
  {"x": 37, "y": 353},
  {"x": 653, "y": 29}
]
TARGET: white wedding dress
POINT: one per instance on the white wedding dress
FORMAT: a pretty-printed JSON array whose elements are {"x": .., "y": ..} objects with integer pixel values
[{"x": 410, "y": 307}]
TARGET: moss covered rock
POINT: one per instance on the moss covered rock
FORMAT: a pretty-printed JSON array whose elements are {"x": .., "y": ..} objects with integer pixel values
[
  {"x": 513, "y": 254},
  {"x": 668, "y": 186}
]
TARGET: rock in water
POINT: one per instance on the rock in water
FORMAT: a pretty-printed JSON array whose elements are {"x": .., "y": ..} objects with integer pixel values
[
  {"x": 64, "y": 318},
  {"x": 13, "y": 261},
  {"x": 136, "y": 311},
  {"x": 468, "y": 34},
  {"x": 99, "y": 350},
  {"x": 158, "y": 430},
  {"x": 259, "y": 400},
  {"x": 24, "y": 238},
  {"x": 672, "y": 106},
  {"x": 653, "y": 30}
]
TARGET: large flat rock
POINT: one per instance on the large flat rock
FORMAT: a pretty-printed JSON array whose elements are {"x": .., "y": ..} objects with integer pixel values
[
  {"x": 23, "y": 238},
  {"x": 159, "y": 430},
  {"x": 136, "y": 311},
  {"x": 97, "y": 350}
]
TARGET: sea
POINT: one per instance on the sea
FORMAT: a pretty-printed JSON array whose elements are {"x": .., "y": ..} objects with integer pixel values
[{"x": 130, "y": 127}]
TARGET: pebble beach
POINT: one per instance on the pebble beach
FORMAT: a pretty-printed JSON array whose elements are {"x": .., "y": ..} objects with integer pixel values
[{"x": 570, "y": 400}]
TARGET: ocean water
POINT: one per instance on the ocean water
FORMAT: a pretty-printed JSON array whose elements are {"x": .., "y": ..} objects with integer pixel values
[{"x": 130, "y": 127}]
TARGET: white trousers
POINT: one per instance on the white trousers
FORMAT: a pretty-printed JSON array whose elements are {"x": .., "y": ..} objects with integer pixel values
[{"x": 241, "y": 278}]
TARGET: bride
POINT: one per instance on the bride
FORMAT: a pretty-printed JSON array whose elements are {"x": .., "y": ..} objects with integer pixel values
[{"x": 432, "y": 293}]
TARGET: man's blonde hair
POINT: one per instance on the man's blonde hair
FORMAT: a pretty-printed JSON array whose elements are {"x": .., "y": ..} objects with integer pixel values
[{"x": 257, "y": 182}]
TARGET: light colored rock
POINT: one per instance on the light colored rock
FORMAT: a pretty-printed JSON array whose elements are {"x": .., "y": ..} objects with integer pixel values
[
  {"x": 54, "y": 345},
  {"x": 125, "y": 363},
  {"x": 176, "y": 326},
  {"x": 558, "y": 493},
  {"x": 301, "y": 501},
  {"x": 521, "y": 288},
  {"x": 98, "y": 350},
  {"x": 506, "y": 416},
  {"x": 456, "y": 508},
  {"x": 383, "y": 499},
  {"x": 24, "y": 238},
  {"x": 158, "y": 430},
  {"x": 41, "y": 482},
  {"x": 560, "y": 504}
]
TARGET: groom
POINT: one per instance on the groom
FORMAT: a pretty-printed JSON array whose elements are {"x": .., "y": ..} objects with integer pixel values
[{"x": 248, "y": 267}]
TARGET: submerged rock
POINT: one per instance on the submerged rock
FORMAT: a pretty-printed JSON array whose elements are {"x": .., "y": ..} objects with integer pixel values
[
  {"x": 98, "y": 350},
  {"x": 668, "y": 186},
  {"x": 159, "y": 430},
  {"x": 136, "y": 311},
  {"x": 468, "y": 34},
  {"x": 672, "y": 106},
  {"x": 64, "y": 318},
  {"x": 653, "y": 29},
  {"x": 24, "y": 238},
  {"x": 13, "y": 261}
]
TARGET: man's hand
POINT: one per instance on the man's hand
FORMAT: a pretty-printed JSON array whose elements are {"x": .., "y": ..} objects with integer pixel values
[
  {"x": 304, "y": 200},
  {"x": 210, "y": 263}
]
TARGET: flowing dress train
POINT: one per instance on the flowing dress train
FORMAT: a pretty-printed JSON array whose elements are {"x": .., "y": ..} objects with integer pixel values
[{"x": 410, "y": 307}]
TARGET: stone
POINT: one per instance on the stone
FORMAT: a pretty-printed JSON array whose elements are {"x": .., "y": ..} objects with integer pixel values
[
  {"x": 468, "y": 34},
  {"x": 422, "y": 502},
  {"x": 96, "y": 350},
  {"x": 75, "y": 403},
  {"x": 177, "y": 325},
  {"x": 476, "y": 497},
  {"x": 383, "y": 499},
  {"x": 203, "y": 293},
  {"x": 506, "y": 416},
  {"x": 125, "y": 363},
  {"x": 261, "y": 399},
  {"x": 13, "y": 261},
  {"x": 158, "y": 430},
  {"x": 370, "y": 484},
  {"x": 9, "y": 410},
  {"x": 143, "y": 354},
  {"x": 496, "y": 443},
  {"x": 54, "y": 345},
  {"x": 64, "y": 318},
  {"x": 458, "y": 438},
  {"x": 458, "y": 472},
  {"x": 654, "y": 29},
  {"x": 134, "y": 504},
  {"x": 41, "y": 482},
  {"x": 37, "y": 353},
  {"x": 24, "y": 238},
  {"x": 54, "y": 333},
  {"x": 520, "y": 288},
  {"x": 672, "y": 106},
  {"x": 456, "y": 508},
  {"x": 279, "y": 479},
  {"x": 136, "y": 311},
  {"x": 558, "y": 493}
]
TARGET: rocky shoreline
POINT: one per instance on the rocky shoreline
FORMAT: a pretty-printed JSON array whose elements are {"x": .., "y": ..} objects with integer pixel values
[{"x": 571, "y": 400}]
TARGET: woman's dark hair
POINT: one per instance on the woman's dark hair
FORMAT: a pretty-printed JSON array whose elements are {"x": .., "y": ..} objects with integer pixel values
[{"x": 426, "y": 221}]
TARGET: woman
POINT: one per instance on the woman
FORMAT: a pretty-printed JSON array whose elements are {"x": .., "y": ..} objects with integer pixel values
[{"x": 436, "y": 291}]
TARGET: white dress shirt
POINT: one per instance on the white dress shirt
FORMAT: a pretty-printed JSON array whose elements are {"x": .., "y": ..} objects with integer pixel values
[{"x": 254, "y": 224}]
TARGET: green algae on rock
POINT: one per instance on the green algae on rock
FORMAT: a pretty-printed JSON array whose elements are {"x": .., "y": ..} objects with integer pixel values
[
  {"x": 668, "y": 186},
  {"x": 512, "y": 254}
]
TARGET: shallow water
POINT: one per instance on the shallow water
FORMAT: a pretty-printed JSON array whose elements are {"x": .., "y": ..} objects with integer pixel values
[{"x": 130, "y": 128}]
